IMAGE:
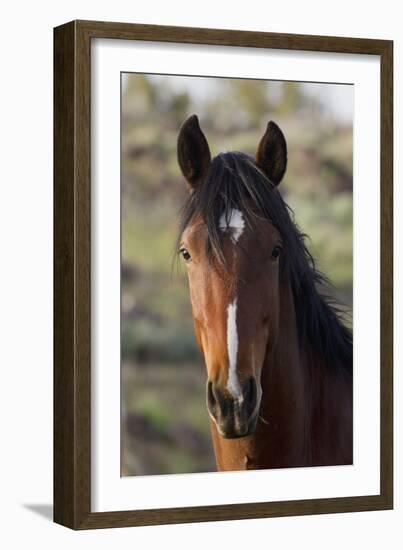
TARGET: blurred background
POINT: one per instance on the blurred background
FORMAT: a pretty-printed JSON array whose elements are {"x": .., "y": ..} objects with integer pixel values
[{"x": 165, "y": 427}]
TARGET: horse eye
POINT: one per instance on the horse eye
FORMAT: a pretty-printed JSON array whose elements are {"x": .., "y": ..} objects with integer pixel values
[
  {"x": 276, "y": 252},
  {"x": 185, "y": 253}
]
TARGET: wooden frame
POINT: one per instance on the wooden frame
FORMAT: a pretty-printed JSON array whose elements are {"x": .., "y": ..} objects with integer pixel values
[{"x": 72, "y": 320}]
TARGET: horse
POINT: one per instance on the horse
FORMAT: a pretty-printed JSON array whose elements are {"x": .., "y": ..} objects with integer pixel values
[{"x": 278, "y": 355}]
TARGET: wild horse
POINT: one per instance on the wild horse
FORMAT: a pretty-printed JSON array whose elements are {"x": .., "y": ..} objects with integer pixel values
[{"x": 278, "y": 356}]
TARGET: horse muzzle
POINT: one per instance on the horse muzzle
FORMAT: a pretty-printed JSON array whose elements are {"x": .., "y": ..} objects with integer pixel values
[{"x": 234, "y": 416}]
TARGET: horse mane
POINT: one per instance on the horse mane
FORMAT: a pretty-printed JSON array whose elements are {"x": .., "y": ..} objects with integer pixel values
[{"x": 234, "y": 181}]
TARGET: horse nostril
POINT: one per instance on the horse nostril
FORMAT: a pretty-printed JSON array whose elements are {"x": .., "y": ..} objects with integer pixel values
[{"x": 211, "y": 400}]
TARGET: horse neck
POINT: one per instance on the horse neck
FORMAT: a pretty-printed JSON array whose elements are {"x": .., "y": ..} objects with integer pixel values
[
  {"x": 284, "y": 389},
  {"x": 307, "y": 401}
]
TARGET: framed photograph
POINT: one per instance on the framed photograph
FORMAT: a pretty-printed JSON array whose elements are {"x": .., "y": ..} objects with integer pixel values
[{"x": 222, "y": 200}]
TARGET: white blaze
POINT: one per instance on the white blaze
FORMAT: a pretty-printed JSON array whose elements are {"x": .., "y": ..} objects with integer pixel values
[
  {"x": 236, "y": 223},
  {"x": 232, "y": 342}
]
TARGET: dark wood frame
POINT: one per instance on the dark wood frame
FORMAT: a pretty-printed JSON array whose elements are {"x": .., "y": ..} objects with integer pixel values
[{"x": 72, "y": 292}]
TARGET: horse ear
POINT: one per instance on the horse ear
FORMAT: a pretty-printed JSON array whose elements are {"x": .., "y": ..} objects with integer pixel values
[
  {"x": 271, "y": 156},
  {"x": 193, "y": 152}
]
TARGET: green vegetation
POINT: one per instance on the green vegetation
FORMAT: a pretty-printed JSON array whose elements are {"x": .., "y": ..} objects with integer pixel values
[{"x": 165, "y": 424}]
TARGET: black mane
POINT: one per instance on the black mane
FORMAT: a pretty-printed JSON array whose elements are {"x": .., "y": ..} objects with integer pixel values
[{"x": 234, "y": 181}]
